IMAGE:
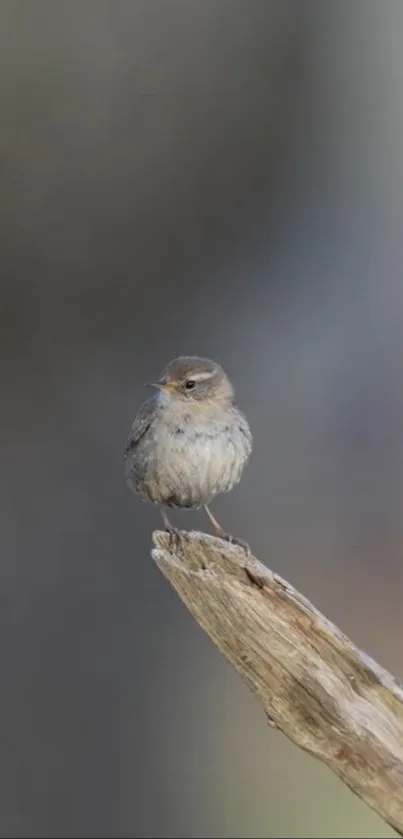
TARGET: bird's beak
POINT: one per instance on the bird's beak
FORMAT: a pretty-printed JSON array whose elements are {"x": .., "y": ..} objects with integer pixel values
[{"x": 159, "y": 386}]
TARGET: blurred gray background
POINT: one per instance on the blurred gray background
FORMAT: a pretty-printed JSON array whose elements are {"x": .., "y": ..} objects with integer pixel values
[{"x": 224, "y": 178}]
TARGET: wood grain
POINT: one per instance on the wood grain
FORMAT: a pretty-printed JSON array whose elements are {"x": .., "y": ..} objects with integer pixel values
[{"x": 315, "y": 685}]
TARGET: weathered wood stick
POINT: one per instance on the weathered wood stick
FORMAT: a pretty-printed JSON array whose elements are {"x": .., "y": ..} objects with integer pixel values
[{"x": 325, "y": 694}]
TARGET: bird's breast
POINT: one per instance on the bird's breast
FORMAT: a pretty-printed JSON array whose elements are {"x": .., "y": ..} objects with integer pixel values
[{"x": 191, "y": 462}]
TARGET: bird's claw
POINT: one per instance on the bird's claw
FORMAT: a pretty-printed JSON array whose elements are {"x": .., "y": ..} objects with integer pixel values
[
  {"x": 174, "y": 538},
  {"x": 255, "y": 578},
  {"x": 235, "y": 541}
]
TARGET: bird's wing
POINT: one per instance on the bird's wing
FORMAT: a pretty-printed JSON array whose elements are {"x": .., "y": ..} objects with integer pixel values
[{"x": 140, "y": 426}]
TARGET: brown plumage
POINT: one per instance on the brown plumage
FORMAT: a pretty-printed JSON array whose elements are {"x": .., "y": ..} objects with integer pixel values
[{"x": 188, "y": 442}]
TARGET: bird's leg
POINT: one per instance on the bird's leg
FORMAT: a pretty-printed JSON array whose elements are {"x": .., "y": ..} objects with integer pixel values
[
  {"x": 221, "y": 533},
  {"x": 174, "y": 535},
  {"x": 216, "y": 526}
]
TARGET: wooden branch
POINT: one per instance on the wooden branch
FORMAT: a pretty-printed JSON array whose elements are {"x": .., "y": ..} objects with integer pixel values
[{"x": 326, "y": 695}]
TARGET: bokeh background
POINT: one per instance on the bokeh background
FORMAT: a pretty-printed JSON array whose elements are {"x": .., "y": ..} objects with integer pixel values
[{"x": 224, "y": 178}]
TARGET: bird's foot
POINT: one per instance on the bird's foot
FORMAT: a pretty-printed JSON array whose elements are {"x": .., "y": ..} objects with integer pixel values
[
  {"x": 235, "y": 541},
  {"x": 253, "y": 576},
  {"x": 174, "y": 538}
]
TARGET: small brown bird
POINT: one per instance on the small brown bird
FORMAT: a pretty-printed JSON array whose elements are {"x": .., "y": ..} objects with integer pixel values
[{"x": 188, "y": 442}]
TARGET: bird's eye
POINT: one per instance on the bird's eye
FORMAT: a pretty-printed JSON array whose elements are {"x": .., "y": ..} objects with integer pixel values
[{"x": 190, "y": 384}]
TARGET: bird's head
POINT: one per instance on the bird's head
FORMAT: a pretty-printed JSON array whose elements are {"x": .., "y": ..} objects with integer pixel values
[{"x": 195, "y": 380}]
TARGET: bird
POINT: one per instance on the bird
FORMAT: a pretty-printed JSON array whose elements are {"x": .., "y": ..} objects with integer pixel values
[{"x": 189, "y": 442}]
